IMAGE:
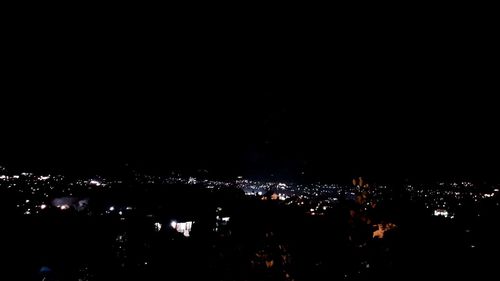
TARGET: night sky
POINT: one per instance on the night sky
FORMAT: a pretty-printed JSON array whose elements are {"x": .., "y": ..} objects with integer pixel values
[{"x": 300, "y": 109}]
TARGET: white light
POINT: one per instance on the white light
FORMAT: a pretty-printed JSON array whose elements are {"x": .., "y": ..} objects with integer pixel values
[
  {"x": 64, "y": 207},
  {"x": 43, "y": 206},
  {"x": 43, "y": 178},
  {"x": 157, "y": 226},
  {"x": 94, "y": 182},
  {"x": 441, "y": 212},
  {"x": 111, "y": 208},
  {"x": 183, "y": 227},
  {"x": 120, "y": 213},
  {"x": 259, "y": 193},
  {"x": 27, "y": 200}
]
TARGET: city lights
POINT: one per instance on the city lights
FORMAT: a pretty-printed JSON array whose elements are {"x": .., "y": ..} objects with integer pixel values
[{"x": 314, "y": 206}]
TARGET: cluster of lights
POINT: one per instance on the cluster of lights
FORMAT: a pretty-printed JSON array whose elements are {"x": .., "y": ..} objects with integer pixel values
[
  {"x": 157, "y": 226},
  {"x": 443, "y": 213},
  {"x": 182, "y": 227},
  {"x": 95, "y": 182}
]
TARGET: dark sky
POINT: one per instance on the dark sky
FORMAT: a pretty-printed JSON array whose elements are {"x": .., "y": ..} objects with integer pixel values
[{"x": 419, "y": 107}]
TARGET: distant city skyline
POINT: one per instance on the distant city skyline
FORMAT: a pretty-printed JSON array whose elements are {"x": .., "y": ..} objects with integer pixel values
[{"x": 258, "y": 137}]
